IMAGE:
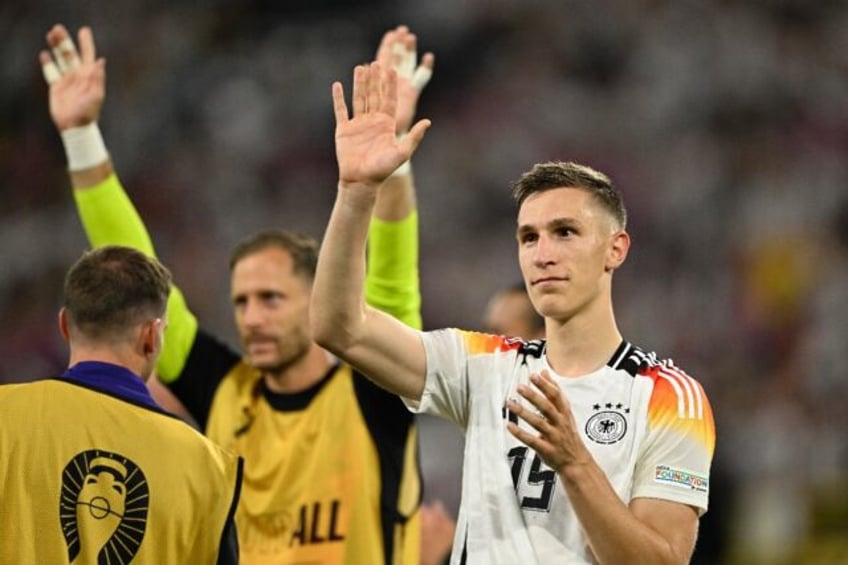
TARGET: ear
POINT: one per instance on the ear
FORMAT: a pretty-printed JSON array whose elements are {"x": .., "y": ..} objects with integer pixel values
[
  {"x": 151, "y": 338},
  {"x": 63, "y": 324},
  {"x": 617, "y": 251}
]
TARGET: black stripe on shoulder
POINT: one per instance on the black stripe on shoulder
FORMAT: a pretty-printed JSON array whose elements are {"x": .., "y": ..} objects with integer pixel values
[
  {"x": 631, "y": 359},
  {"x": 208, "y": 363},
  {"x": 534, "y": 348},
  {"x": 389, "y": 423}
]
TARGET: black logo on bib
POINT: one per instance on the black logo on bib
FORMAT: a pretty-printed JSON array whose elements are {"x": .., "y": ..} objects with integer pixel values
[
  {"x": 103, "y": 507},
  {"x": 606, "y": 427}
]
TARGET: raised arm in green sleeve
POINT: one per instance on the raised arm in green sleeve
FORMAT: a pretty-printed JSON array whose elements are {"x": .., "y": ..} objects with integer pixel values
[
  {"x": 392, "y": 281},
  {"x": 109, "y": 218}
]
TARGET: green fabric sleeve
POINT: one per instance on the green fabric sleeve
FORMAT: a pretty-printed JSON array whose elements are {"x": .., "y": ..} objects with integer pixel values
[
  {"x": 109, "y": 218},
  {"x": 392, "y": 282},
  {"x": 179, "y": 337}
]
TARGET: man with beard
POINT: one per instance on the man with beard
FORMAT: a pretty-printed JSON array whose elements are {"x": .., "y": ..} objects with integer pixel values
[{"x": 330, "y": 459}]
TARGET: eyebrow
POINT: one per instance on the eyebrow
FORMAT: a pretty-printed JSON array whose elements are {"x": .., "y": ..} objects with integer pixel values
[
  {"x": 564, "y": 223},
  {"x": 554, "y": 224}
]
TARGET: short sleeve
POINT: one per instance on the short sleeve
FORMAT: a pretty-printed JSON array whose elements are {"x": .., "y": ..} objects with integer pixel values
[
  {"x": 446, "y": 386},
  {"x": 675, "y": 460}
]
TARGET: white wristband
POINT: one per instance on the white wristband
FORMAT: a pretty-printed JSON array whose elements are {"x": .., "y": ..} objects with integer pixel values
[
  {"x": 84, "y": 147},
  {"x": 404, "y": 169}
]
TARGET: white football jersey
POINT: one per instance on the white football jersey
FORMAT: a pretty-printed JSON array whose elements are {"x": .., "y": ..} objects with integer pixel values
[{"x": 646, "y": 422}]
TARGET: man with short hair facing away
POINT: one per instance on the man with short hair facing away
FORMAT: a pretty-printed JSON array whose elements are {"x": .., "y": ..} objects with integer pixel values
[
  {"x": 94, "y": 471},
  {"x": 582, "y": 448},
  {"x": 331, "y": 474}
]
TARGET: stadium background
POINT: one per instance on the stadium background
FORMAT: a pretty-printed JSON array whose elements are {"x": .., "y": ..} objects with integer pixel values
[{"x": 724, "y": 123}]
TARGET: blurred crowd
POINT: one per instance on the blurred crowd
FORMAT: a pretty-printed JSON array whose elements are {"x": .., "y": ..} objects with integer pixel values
[{"x": 724, "y": 123}]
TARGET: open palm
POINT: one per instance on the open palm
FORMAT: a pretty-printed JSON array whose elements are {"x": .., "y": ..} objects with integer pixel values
[
  {"x": 367, "y": 149},
  {"x": 76, "y": 92}
]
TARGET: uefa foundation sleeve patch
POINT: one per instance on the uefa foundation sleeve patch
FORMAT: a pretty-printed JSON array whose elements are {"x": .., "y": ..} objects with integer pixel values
[{"x": 666, "y": 475}]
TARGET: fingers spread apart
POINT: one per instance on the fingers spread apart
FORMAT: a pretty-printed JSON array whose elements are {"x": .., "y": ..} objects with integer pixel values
[
  {"x": 398, "y": 50},
  {"x": 65, "y": 57}
]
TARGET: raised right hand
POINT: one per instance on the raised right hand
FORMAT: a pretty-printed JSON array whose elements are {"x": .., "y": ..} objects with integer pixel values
[
  {"x": 77, "y": 81},
  {"x": 367, "y": 149}
]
